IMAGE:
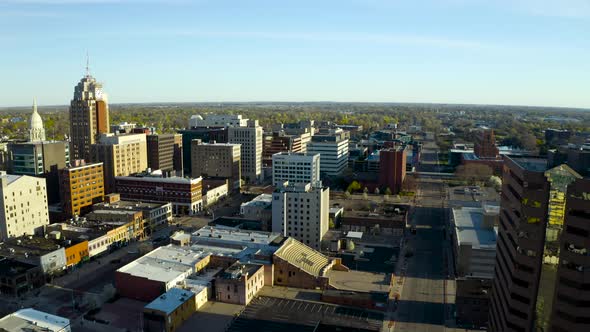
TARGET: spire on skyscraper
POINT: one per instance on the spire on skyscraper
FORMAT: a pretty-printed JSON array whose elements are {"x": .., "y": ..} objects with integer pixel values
[{"x": 87, "y": 64}]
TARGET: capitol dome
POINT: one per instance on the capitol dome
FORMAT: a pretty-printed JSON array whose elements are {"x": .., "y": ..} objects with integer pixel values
[
  {"x": 36, "y": 130},
  {"x": 194, "y": 121}
]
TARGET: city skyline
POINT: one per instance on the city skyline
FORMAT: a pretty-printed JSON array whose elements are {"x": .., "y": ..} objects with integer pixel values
[{"x": 453, "y": 51}]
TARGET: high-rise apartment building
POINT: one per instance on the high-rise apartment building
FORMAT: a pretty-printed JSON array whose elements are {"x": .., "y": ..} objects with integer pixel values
[
  {"x": 250, "y": 139},
  {"x": 23, "y": 205},
  {"x": 82, "y": 185},
  {"x": 121, "y": 155},
  {"x": 295, "y": 168},
  {"x": 217, "y": 160},
  {"x": 543, "y": 234},
  {"x": 301, "y": 211},
  {"x": 165, "y": 152},
  {"x": 89, "y": 116},
  {"x": 333, "y": 151}
]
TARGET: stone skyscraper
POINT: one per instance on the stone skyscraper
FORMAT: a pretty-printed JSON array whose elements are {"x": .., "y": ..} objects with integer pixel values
[{"x": 89, "y": 116}]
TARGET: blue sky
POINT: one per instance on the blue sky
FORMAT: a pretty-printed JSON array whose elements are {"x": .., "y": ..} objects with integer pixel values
[{"x": 519, "y": 52}]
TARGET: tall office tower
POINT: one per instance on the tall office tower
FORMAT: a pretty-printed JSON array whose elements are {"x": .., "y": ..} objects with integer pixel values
[
  {"x": 333, "y": 150},
  {"x": 392, "y": 168},
  {"x": 165, "y": 152},
  {"x": 36, "y": 130},
  {"x": 89, "y": 116},
  {"x": 531, "y": 252},
  {"x": 485, "y": 144},
  {"x": 82, "y": 185},
  {"x": 250, "y": 138},
  {"x": 23, "y": 205},
  {"x": 121, "y": 155},
  {"x": 217, "y": 160},
  {"x": 295, "y": 168},
  {"x": 301, "y": 210}
]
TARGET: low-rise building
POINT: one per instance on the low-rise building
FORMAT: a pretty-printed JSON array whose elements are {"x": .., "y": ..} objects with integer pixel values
[
  {"x": 239, "y": 283},
  {"x": 155, "y": 215},
  {"x": 474, "y": 246},
  {"x": 167, "y": 312},
  {"x": 32, "y": 320},
  {"x": 17, "y": 278},
  {"x": 474, "y": 240},
  {"x": 214, "y": 190},
  {"x": 132, "y": 219},
  {"x": 260, "y": 208},
  {"x": 390, "y": 220},
  {"x": 185, "y": 194}
]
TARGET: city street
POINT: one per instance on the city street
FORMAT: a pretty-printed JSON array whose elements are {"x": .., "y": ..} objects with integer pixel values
[{"x": 426, "y": 294}]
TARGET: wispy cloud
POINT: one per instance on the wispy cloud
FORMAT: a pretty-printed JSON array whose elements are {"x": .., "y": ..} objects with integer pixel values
[{"x": 418, "y": 40}]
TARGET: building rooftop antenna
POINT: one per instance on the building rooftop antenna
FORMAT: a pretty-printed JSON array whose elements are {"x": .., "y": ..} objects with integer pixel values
[{"x": 87, "y": 64}]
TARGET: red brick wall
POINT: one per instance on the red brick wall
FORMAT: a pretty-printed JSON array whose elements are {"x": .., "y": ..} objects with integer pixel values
[{"x": 138, "y": 288}]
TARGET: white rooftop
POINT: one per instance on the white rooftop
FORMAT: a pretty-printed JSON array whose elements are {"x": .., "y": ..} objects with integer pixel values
[
  {"x": 233, "y": 236},
  {"x": 468, "y": 228},
  {"x": 165, "y": 264},
  {"x": 33, "y": 320},
  {"x": 260, "y": 200},
  {"x": 354, "y": 235},
  {"x": 169, "y": 301}
]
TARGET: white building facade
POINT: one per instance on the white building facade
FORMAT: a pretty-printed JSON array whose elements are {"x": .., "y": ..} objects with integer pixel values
[
  {"x": 23, "y": 205},
  {"x": 214, "y": 120},
  {"x": 295, "y": 168},
  {"x": 250, "y": 138},
  {"x": 333, "y": 151},
  {"x": 302, "y": 212}
]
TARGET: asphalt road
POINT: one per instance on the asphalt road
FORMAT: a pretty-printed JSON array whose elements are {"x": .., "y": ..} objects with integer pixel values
[{"x": 422, "y": 304}]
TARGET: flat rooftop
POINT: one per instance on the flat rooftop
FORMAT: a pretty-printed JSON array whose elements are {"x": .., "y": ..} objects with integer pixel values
[
  {"x": 32, "y": 320},
  {"x": 231, "y": 235},
  {"x": 469, "y": 230},
  {"x": 531, "y": 164},
  {"x": 165, "y": 263},
  {"x": 170, "y": 301},
  {"x": 237, "y": 270},
  {"x": 260, "y": 200},
  {"x": 122, "y": 204}
]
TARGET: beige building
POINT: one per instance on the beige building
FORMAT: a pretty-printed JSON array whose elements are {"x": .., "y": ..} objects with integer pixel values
[
  {"x": 23, "y": 205},
  {"x": 81, "y": 186},
  {"x": 89, "y": 116},
  {"x": 217, "y": 160},
  {"x": 121, "y": 155},
  {"x": 250, "y": 139},
  {"x": 301, "y": 211}
]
